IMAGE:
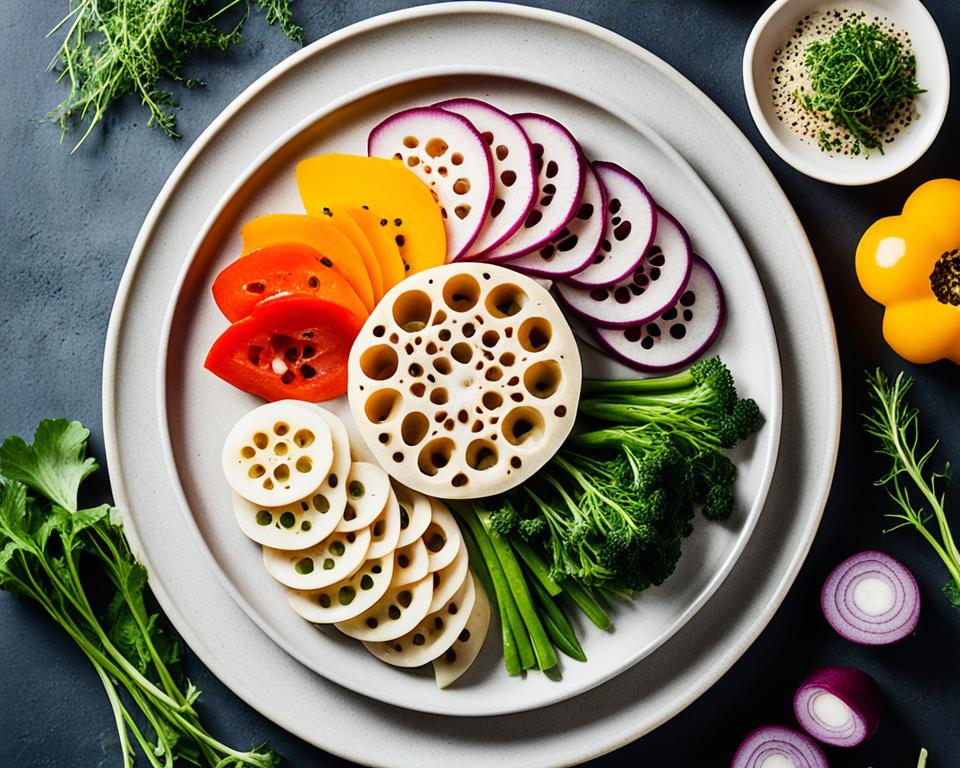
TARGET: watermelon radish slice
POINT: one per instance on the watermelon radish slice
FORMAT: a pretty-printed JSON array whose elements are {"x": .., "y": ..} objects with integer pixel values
[
  {"x": 571, "y": 249},
  {"x": 451, "y": 157},
  {"x": 652, "y": 288},
  {"x": 514, "y": 179},
  {"x": 559, "y": 165},
  {"x": 628, "y": 231},
  {"x": 679, "y": 335}
]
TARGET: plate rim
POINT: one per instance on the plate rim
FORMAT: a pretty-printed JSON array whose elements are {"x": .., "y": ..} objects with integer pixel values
[
  {"x": 820, "y": 482},
  {"x": 772, "y": 424}
]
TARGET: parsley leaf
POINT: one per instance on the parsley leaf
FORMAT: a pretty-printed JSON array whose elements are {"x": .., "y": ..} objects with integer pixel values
[{"x": 54, "y": 465}]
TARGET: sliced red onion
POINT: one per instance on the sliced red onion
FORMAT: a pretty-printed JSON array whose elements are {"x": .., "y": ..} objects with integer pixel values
[
  {"x": 871, "y": 599},
  {"x": 774, "y": 746},
  {"x": 840, "y": 706}
]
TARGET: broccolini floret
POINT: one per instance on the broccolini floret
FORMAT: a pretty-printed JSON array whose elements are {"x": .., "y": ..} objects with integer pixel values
[{"x": 612, "y": 508}]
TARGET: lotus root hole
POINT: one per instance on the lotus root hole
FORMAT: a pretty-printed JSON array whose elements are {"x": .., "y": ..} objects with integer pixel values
[
  {"x": 481, "y": 454},
  {"x": 506, "y": 300},
  {"x": 461, "y": 293},
  {"x": 414, "y": 428},
  {"x": 522, "y": 425},
  {"x": 438, "y": 396},
  {"x": 379, "y": 362},
  {"x": 490, "y": 338},
  {"x": 459, "y": 480},
  {"x": 542, "y": 379},
  {"x": 261, "y": 440},
  {"x": 534, "y": 334},
  {"x": 507, "y": 359},
  {"x": 435, "y": 455},
  {"x": 442, "y": 365},
  {"x": 415, "y": 370},
  {"x": 418, "y": 389},
  {"x": 248, "y": 452},
  {"x": 303, "y": 438},
  {"x": 257, "y": 470},
  {"x": 491, "y": 400},
  {"x": 381, "y": 405},
  {"x": 304, "y": 464},
  {"x": 412, "y": 310},
  {"x": 281, "y": 428},
  {"x": 280, "y": 448},
  {"x": 462, "y": 352},
  {"x": 515, "y": 462},
  {"x": 281, "y": 473},
  {"x": 493, "y": 373}
]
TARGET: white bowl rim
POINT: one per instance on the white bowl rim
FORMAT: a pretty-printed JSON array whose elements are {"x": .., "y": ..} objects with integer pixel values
[{"x": 936, "y": 62}]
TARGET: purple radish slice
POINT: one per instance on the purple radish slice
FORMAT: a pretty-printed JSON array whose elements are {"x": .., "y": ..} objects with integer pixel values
[
  {"x": 559, "y": 164},
  {"x": 679, "y": 335},
  {"x": 628, "y": 230},
  {"x": 871, "y": 599},
  {"x": 774, "y": 746},
  {"x": 451, "y": 157},
  {"x": 514, "y": 178},
  {"x": 839, "y": 706},
  {"x": 572, "y": 248},
  {"x": 653, "y": 287}
]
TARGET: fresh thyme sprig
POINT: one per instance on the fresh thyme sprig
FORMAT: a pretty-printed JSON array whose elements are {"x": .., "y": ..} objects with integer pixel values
[
  {"x": 859, "y": 77},
  {"x": 115, "y": 48},
  {"x": 894, "y": 422}
]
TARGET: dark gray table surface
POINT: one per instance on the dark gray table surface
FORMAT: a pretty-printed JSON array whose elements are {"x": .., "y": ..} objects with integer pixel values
[{"x": 68, "y": 223}]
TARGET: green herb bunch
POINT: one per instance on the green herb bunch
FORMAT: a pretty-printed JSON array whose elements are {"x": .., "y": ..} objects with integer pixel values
[
  {"x": 51, "y": 551},
  {"x": 859, "y": 77},
  {"x": 116, "y": 48},
  {"x": 894, "y": 423}
]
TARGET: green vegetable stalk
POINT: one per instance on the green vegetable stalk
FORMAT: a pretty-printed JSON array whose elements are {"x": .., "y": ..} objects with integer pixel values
[
  {"x": 116, "y": 48},
  {"x": 50, "y": 550},
  {"x": 895, "y": 425}
]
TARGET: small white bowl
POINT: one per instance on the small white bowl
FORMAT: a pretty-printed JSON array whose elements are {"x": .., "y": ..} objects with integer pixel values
[{"x": 778, "y": 24}]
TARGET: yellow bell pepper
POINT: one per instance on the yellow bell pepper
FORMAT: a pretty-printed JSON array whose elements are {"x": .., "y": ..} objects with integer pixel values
[{"x": 911, "y": 264}]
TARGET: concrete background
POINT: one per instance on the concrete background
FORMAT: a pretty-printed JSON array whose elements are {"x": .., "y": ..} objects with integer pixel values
[{"x": 68, "y": 223}]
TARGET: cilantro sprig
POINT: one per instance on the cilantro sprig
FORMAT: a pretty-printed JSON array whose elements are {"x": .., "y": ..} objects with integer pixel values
[{"x": 51, "y": 550}]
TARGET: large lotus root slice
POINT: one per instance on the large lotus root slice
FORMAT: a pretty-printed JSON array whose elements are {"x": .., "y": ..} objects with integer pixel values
[{"x": 464, "y": 380}]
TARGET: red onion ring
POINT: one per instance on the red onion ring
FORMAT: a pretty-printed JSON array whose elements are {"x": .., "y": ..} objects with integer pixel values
[
  {"x": 838, "y": 706},
  {"x": 871, "y": 599},
  {"x": 774, "y": 741}
]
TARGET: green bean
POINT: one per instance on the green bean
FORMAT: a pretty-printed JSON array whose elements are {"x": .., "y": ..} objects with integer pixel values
[
  {"x": 557, "y": 625},
  {"x": 587, "y": 603},
  {"x": 537, "y": 567},
  {"x": 542, "y": 647},
  {"x": 502, "y": 587},
  {"x": 511, "y": 658}
]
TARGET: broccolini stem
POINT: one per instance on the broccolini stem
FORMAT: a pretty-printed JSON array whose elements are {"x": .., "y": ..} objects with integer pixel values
[{"x": 681, "y": 380}]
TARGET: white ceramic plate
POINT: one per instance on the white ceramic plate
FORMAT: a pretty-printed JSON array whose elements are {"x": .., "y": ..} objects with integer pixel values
[
  {"x": 181, "y": 574},
  {"x": 199, "y": 409}
]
